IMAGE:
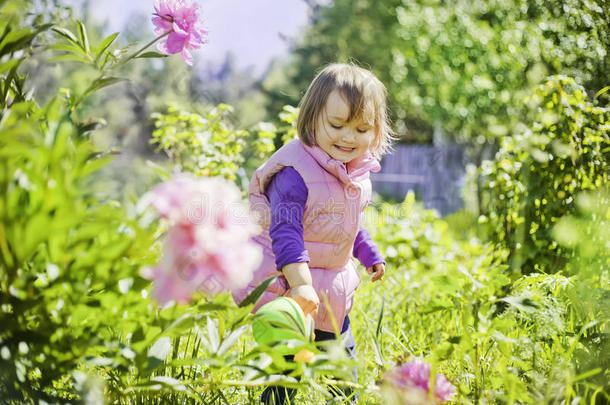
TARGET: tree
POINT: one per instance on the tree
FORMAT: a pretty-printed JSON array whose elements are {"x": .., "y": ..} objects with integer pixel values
[{"x": 462, "y": 65}]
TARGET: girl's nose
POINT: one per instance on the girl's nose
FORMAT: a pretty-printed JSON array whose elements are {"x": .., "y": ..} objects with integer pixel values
[{"x": 349, "y": 135}]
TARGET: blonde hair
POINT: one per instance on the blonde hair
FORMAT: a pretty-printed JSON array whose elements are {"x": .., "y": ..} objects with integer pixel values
[{"x": 364, "y": 94}]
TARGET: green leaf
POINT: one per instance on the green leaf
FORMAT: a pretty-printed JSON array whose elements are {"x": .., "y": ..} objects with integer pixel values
[
  {"x": 524, "y": 304},
  {"x": 169, "y": 382},
  {"x": 602, "y": 91},
  {"x": 9, "y": 64},
  {"x": 96, "y": 164},
  {"x": 68, "y": 48},
  {"x": 587, "y": 374},
  {"x": 158, "y": 352},
  {"x": 15, "y": 40},
  {"x": 377, "y": 353},
  {"x": 82, "y": 31},
  {"x": 104, "y": 45},
  {"x": 164, "y": 383},
  {"x": 152, "y": 55},
  {"x": 66, "y": 34},
  {"x": 230, "y": 340},
  {"x": 184, "y": 322},
  {"x": 255, "y": 295},
  {"x": 380, "y": 319},
  {"x": 99, "y": 361},
  {"x": 90, "y": 126},
  {"x": 104, "y": 82},
  {"x": 106, "y": 57},
  {"x": 125, "y": 285},
  {"x": 213, "y": 335},
  {"x": 100, "y": 83}
]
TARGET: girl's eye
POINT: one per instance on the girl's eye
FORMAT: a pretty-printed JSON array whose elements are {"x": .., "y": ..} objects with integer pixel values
[
  {"x": 362, "y": 131},
  {"x": 336, "y": 126}
]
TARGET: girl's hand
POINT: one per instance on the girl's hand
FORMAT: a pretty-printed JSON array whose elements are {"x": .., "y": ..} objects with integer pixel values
[
  {"x": 378, "y": 269},
  {"x": 306, "y": 297}
]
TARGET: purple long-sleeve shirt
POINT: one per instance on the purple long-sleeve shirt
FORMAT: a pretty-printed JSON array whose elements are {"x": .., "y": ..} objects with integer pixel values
[{"x": 287, "y": 194}]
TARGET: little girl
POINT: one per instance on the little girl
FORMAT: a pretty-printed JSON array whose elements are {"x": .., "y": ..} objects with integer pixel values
[{"x": 309, "y": 197}]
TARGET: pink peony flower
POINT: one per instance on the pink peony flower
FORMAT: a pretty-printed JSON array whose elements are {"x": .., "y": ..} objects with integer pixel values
[
  {"x": 207, "y": 246},
  {"x": 415, "y": 376},
  {"x": 181, "y": 17}
]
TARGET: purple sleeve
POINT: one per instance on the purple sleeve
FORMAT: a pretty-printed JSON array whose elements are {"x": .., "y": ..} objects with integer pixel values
[
  {"x": 287, "y": 194},
  {"x": 365, "y": 249}
]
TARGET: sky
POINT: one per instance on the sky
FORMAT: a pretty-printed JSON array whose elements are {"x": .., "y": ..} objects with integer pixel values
[{"x": 250, "y": 29}]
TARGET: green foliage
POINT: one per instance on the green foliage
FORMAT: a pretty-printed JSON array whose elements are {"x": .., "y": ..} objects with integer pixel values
[
  {"x": 538, "y": 172},
  {"x": 75, "y": 314},
  {"x": 454, "y": 302},
  {"x": 587, "y": 233},
  {"x": 498, "y": 338},
  {"x": 263, "y": 145},
  {"x": 209, "y": 145},
  {"x": 70, "y": 262},
  {"x": 468, "y": 64},
  {"x": 461, "y": 65},
  {"x": 204, "y": 354},
  {"x": 270, "y": 134},
  {"x": 15, "y": 44},
  {"x": 203, "y": 144},
  {"x": 185, "y": 355},
  {"x": 70, "y": 257},
  {"x": 100, "y": 58},
  {"x": 288, "y": 119}
]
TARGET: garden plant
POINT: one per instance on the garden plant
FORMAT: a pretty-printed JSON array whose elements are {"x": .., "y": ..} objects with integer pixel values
[{"x": 125, "y": 297}]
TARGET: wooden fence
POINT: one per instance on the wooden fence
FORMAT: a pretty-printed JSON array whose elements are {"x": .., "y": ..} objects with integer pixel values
[{"x": 434, "y": 173}]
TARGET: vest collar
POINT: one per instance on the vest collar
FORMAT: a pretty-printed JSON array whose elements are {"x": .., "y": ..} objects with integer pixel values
[{"x": 355, "y": 170}]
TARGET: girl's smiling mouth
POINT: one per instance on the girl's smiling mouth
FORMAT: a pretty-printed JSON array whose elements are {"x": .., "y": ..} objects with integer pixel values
[{"x": 341, "y": 148}]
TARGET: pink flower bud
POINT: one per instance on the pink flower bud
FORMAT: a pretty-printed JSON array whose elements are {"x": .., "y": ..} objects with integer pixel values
[
  {"x": 413, "y": 378},
  {"x": 207, "y": 247}
]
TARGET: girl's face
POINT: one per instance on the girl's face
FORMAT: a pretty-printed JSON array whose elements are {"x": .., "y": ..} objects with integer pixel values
[{"x": 343, "y": 141}]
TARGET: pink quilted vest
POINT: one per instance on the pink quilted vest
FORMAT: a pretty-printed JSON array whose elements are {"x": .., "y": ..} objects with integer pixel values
[{"x": 336, "y": 197}]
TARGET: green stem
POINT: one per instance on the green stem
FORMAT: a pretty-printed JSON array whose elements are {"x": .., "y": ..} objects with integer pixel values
[{"x": 139, "y": 51}]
